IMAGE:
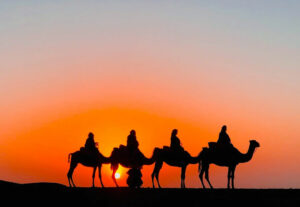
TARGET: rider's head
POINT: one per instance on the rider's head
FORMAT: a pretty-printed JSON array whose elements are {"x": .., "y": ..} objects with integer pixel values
[
  {"x": 224, "y": 128},
  {"x": 91, "y": 135},
  {"x": 132, "y": 132},
  {"x": 174, "y": 132}
]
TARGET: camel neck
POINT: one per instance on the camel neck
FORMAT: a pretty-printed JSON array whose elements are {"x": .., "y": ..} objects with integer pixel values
[{"x": 248, "y": 156}]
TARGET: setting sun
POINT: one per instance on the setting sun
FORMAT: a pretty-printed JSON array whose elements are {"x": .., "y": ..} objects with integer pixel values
[{"x": 117, "y": 175}]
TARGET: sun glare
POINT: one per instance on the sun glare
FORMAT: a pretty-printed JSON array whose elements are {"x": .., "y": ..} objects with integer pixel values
[{"x": 117, "y": 175}]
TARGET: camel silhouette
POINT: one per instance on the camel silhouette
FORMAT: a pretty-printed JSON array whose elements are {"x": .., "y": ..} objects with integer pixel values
[
  {"x": 227, "y": 157},
  {"x": 90, "y": 160},
  {"x": 127, "y": 159},
  {"x": 172, "y": 158}
]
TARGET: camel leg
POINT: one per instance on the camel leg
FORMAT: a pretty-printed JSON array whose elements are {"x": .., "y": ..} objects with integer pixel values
[
  {"x": 115, "y": 168},
  {"x": 228, "y": 177},
  {"x": 202, "y": 167},
  {"x": 207, "y": 176},
  {"x": 152, "y": 176},
  {"x": 73, "y": 182},
  {"x": 183, "y": 169},
  {"x": 94, "y": 172},
  {"x": 70, "y": 173},
  {"x": 157, "y": 175},
  {"x": 201, "y": 177},
  {"x": 232, "y": 176},
  {"x": 100, "y": 176},
  {"x": 157, "y": 168},
  {"x": 69, "y": 179}
]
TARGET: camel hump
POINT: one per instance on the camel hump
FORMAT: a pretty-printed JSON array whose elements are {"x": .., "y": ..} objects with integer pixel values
[{"x": 166, "y": 147}]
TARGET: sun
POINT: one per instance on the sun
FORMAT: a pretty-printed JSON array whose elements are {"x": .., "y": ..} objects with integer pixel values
[{"x": 117, "y": 175}]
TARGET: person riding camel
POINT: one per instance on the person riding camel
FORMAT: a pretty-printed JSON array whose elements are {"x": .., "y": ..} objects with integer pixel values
[
  {"x": 90, "y": 144},
  {"x": 132, "y": 143},
  {"x": 224, "y": 139},
  {"x": 133, "y": 152},
  {"x": 175, "y": 145}
]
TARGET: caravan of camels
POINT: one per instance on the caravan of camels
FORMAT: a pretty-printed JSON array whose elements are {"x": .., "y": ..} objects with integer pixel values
[{"x": 221, "y": 153}]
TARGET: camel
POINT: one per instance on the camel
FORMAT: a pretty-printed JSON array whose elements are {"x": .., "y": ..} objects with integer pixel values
[
  {"x": 221, "y": 158},
  {"x": 123, "y": 157},
  {"x": 177, "y": 159},
  {"x": 86, "y": 159}
]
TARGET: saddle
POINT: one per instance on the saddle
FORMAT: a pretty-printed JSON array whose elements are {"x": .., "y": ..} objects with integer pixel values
[
  {"x": 90, "y": 153},
  {"x": 176, "y": 153},
  {"x": 221, "y": 148}
]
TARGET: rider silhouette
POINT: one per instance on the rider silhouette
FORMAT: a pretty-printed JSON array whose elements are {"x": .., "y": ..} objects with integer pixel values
[
  {"x": 132, "y": 143},
  {"x": 223, "y": 137},
  {"x": 135, "y": 156},
  {"x": 175, "y": 142},
  {"x": 90, "y": 144}
]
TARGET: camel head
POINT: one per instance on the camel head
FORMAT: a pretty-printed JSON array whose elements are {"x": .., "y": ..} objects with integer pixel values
[{"x": 254, "y": 143}]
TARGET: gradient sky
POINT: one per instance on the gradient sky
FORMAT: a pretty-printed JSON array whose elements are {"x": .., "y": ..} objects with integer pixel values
[{"x": 70, "y": 67}]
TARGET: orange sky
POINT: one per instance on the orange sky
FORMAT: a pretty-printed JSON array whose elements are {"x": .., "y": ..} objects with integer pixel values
[
  {"x": 71, "y": 68},
  {"x": 38, "y": 151}
]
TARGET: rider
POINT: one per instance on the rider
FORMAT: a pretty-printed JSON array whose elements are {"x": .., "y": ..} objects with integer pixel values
[
  {"x": 175, "y": 142},
  {"x": 132, "y": 143},
  {"x": 135, "y": 156},
  {"x": 224, "y": 139},
  {"x": 90, "y": 144}
]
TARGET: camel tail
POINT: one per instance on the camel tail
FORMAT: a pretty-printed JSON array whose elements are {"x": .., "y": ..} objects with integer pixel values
[{"x": 69, "y": 157}]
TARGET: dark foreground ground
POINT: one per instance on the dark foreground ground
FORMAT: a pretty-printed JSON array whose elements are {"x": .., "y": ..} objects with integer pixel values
[{"x": 41, "y": 194}]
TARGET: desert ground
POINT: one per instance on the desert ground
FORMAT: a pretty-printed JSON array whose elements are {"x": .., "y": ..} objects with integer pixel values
[{"x": 56, "y": 194}]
